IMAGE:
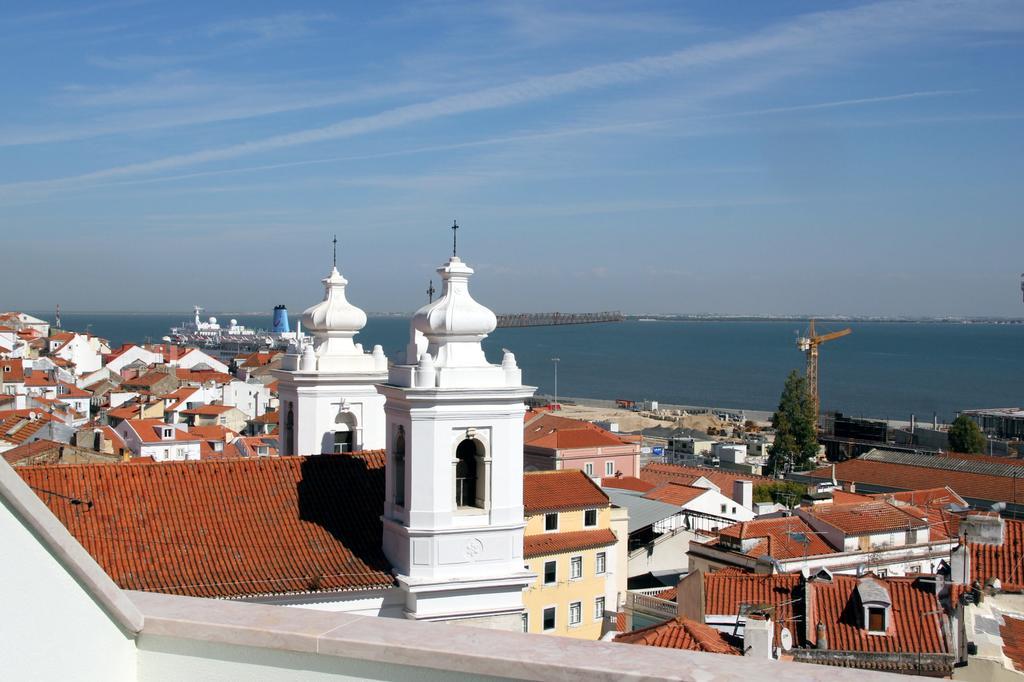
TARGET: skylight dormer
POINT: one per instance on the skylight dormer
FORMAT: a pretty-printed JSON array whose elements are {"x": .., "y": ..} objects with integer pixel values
[{"x": 876, "y": 606}]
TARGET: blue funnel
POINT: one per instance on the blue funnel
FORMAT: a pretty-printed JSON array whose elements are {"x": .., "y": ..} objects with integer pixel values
[{"x": 281, "y": 320}]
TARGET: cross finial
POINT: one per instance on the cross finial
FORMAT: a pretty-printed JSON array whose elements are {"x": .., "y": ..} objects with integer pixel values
[
  {"x": 430, "y": 291},
  {"x": 455, "y": 238},
  {"x": 335, "y": 242}
]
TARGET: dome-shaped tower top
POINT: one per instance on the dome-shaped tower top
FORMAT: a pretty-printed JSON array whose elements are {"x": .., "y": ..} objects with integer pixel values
[
  {"x": 334, "y": 321},
  {"x": 455, "y": 324}
]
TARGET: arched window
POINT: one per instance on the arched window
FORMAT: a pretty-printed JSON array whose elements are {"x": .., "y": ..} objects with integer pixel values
[
  {"x": 469, "y": 490},
  {"x": 399, "y": 460},
  {"x": 345, "y": 436}
]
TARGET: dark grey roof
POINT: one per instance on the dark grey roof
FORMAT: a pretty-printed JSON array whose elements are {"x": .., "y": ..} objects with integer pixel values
[
  {"x": 642, "y": 512},
  {"x": 973, "y": 466}
]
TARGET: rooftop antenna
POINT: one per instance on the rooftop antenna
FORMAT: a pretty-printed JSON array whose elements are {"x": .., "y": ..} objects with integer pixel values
[
  {"x": 455, "y": 238},
  {"x": 335, "y": 242},
  {"x": 430, "y": 292}
]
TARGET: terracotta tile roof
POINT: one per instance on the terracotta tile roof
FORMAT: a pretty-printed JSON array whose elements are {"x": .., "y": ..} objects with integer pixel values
[
  {"x": 71, "y": 391},
  {"x": 545, "y": 491},
  {"x": 266, "y": 418},
  {"x": 213, "y": 432},
  {"x": 1005, "y": 561},
  {"x": 677, "y": 494},
  {"x": 865, "y": 518},
  {"x": 661, "y": 473},
  {"x": 932, "y": 497},
  {"x": 40, "y": 379},
  {"x": 127, "y": 411},
  {"x": 560, "y": 433},
  {"x": 1012, "y": 632},
  {"x": 908, "y": 477},
  {"x": 670, "y": 594},
  {"x": 210, "y": 410},
  {"x": 12, "y": 371},
  {"x": 151, "y": 431},
  {"x": 18, "y": 426},
  {"x": 228, "y": 528},
  {"x": 149, "y": 378},
  {"x": 724, "y": 593},
  {"x": 843, "y": 497},
  {"x": 29, "y": 450},
  {"x": 627, "y": 483},
  {"x": 777, "y": 542},
  {"x": 114, "y": 437},
  {"x": 682, "y": 633},
  {"x": 558, "y": 543},
  {"x": 836, "y": 605},
  {"x": 196, "y": 376}
]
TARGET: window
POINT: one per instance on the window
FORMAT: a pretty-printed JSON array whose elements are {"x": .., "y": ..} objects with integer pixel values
[
  {"x": 399, "y": 481},
  {"x": 342, "y": 441},
  {"x": 598, "y": 608},
  {"x": 590, "y": 517},
  {"x": 576, "y": 567},
  {"x": 876, "y": 619},
  {"x": 526, "y": 622},
  {"x": 551, "y": 522},
  {"x": 575, "y": 613},
  {"x": 549, "y": 618},
  {"x": 468, "y": 492},
  {"x": 724, "y": 507},
  {"x": 609, "y": 468},
  {"x": 734, "y": 510},
  {"x": 599, "y": 566},
  {"x": 588, "y": 469},
  {"x": 550, "y": 572}
]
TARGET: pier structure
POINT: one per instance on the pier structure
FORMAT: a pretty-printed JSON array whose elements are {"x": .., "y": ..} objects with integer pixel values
[{"x": 551, "y": 319}]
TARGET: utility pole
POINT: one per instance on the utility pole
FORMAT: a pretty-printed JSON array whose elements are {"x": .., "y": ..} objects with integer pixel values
[{"x": 556, "y": 361}]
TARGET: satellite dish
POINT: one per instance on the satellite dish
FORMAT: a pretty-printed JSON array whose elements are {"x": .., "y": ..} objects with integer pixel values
[{"x": 785, "y": 639}]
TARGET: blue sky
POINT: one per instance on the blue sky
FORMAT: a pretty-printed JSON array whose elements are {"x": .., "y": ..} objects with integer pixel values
[{"x": 739, "y": 157}]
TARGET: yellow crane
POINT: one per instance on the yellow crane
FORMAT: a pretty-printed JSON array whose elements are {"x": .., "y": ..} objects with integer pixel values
[{"x": 809, "y": 344}]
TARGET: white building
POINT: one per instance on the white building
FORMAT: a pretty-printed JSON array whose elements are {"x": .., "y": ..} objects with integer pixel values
[
  {"x": 453, "y": 510},
  {"x": 328, "y": 398},
  {"x": 130, "y": 354},
  {"x": 153, "y": 438}
]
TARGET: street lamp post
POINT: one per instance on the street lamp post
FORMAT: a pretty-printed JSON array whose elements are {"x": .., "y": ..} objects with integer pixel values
[{"x": 555, "y": 361}]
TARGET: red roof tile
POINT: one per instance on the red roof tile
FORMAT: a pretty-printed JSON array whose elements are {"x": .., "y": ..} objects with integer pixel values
[
  {"x": 908, "y": 477},
  {"x": 865, "y": 518},
  {"x": 228, "y": 528},
  {"x": 1012, "y": 632},
  {"x": 12, "y": 371},
  {"x": 682, "y": 633},
  {"x": 561, "y": 433},
  {"x": 661, "y": 473},
  {"x": 836, "y": 605},
  {"x": 559, "y": 543},
  {"x": 1005, "y": 561},
  {"x": 778, "y": 541},
  {"x": 627, "y": 483},
  {"x": 209, "y": 410},
  {"x": 545, "y": 491},
  {"x": 677, "y": 494}
]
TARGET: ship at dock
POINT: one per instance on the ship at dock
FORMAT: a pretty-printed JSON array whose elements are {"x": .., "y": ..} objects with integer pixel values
[{"x": 233, "y": 339}]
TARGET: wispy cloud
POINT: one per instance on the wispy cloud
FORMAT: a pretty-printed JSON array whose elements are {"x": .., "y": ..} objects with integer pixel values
[
  {"x": 272, "y": 28},
  {"x": 825, "y": 35}
]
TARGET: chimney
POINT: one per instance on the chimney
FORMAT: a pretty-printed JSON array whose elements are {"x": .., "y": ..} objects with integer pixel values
[
  {"x": 743, "y": 493},
  {"x": 851, "y": 487},
  {"x": 758, "y": 633},
  {"x": 960, "y": 565},
  {"x": 822, "y": 638},
  {"x": 913, "y": 423}
]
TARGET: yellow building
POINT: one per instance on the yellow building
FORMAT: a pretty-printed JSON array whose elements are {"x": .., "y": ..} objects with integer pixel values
[{"x": 571, "y": 545}]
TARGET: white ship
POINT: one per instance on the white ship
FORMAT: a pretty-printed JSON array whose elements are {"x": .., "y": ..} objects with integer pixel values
[{"x": 233, "y": 338}]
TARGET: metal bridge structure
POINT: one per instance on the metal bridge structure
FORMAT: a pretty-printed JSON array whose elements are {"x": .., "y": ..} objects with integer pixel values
[{"x": 551, "y": 319}]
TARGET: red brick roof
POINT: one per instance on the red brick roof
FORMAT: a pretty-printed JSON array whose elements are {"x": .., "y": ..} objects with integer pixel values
[
  {"x": 228, "y": 528},
  {"x": 909, "y": 477},
  {"x": 12, "y": 371},
  {"x": 865, "y": 518},
  {"x": 29, "y": 450},
  {"x": 545, "y": 491},
  {"x": 151, "y": 431},
  {"x": 677, "y": 494},
  {"x": 1001, "y": 561},
  {"x": 558, "y": 543},
  {"x": 1012, "y": 632},
  {"x": 681, "y": 633},
  {"x": 932, "y": 497},
  {"x": 201, "y": 376},
  {"x": 561, "y": 433},
  {"x": 837, "y": 606},
  {"x": 627, "y": 483},
  {"x": 725, "y": 592},
  {"x": 661, "y": 473},
  {"x": 18, "y": 426},
  {"x": 777, "y": 542}
]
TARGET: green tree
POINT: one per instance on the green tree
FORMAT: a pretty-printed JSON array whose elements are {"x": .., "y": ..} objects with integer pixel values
[
  {"x": 965, "y": 436},
  {"x": 796, "y": 434},
  {"x": 784, "y": 492}
]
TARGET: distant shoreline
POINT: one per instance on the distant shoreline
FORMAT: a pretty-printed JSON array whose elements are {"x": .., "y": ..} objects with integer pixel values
[{"x": 680, "y": 317}]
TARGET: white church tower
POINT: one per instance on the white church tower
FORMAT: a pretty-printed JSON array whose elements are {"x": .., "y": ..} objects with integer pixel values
[
  {"x": 328, "y": 398},
  {"x": 453, "y": 511}
]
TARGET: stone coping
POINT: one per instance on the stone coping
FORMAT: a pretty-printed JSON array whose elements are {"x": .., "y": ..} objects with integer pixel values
[
  {"x": 446, "y": 646},
  {"x": 52, "y": 534}
]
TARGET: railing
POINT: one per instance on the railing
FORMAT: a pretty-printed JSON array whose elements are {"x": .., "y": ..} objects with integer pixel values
[{"x": 650, "y": 605}]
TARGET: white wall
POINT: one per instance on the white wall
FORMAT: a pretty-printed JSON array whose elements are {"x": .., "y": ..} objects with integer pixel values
[{"x": 52, "y": 628}]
